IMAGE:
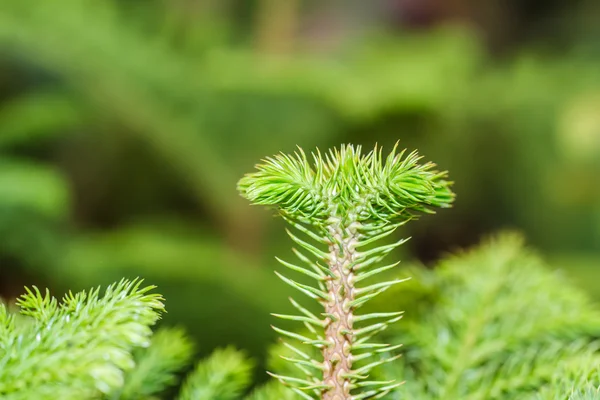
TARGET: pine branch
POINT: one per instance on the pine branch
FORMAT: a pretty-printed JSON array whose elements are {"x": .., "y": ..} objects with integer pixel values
[
  {"x": 505, "y": 328},
  {"x": 77, "y": 348},
  {"x": 170, "y": 351},
  {"x": 225, "y": 375},
  {"x": 343, "y": 204},
  {"x": 578, "y": 379}
]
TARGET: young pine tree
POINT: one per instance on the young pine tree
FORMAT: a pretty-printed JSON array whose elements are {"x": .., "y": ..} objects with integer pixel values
[{"x": 345, "y": 202}]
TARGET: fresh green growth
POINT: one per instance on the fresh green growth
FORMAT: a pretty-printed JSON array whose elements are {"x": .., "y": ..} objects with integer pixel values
[
  {"x": 496, "y": 324},
  {"x": 101, "y": 347},
  {"x": 74, "y": 349},
  {"x": 344, "y": 202}
]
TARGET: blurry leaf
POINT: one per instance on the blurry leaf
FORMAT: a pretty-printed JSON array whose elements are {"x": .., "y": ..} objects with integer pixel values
[
  {"x": 36, "y": 116},
  {"x": 579, "y": 134},
  {"x": 107, "y": 61},
  {"x": 376, "y": 77},
  {"x": 29, "y": 239},
  {"x": 34, "y": 198},
  {"x": 32, "y": 186}
]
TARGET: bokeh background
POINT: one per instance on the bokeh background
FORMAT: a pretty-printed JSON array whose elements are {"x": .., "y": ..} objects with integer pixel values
[{"x": 125, "y": 124}]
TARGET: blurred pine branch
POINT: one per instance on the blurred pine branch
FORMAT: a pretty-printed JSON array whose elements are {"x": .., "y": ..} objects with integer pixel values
[
  {"x": 157, "y": 366},
  {"x": 504, "y": 327}
]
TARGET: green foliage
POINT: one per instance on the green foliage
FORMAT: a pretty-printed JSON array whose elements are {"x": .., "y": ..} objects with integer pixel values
[
  {"x": 32, "y": 187},
  {"x": 225, "y": 375},
  {"x": 157, "y": 365},
  {"x": 272, "y": 391},
  {"x": 36, "y": 117},
  {"x": 77, "y": 348},
  {"x": 378, "y": 189},
  {"x": 503, "y": 327},
  {"x": 132, "y": 141},
  {"x": 345, "y": 201},
  {"x": 576, "y": 380},
  {"x": 527, "y": 123},
  {"x": 101, "y": 347},
  {"x": 201, "y": 269},
  {"x": 183, "y": 107},
  {"x": 490, "y": 323}
]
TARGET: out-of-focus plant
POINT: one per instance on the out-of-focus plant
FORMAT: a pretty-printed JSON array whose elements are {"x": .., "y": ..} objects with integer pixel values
[{"x": 497, "y": 324}]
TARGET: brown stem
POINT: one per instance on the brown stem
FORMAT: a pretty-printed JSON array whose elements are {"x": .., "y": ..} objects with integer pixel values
[{"x": 337, "y": 357}]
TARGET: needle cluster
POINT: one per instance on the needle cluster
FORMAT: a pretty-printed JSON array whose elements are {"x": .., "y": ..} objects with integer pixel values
[
  {"x": 343, "y": 203},
  {"x": 77, "y": 348},
  {"x": 496, "y": 323}
]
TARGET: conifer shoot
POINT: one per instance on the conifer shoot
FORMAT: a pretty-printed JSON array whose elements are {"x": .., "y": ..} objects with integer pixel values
[{"x": 344, "y": 203}]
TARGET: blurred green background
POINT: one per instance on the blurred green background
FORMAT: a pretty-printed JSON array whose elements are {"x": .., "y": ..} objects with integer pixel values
[{"x": 125, "y": 124}]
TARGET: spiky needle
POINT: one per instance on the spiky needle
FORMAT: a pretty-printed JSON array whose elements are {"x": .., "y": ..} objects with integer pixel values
[{"x": 344, "y": 202}]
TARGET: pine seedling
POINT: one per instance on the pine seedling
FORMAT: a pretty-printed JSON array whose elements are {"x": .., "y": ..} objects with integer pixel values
[{"x": 344, "y": 203}]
